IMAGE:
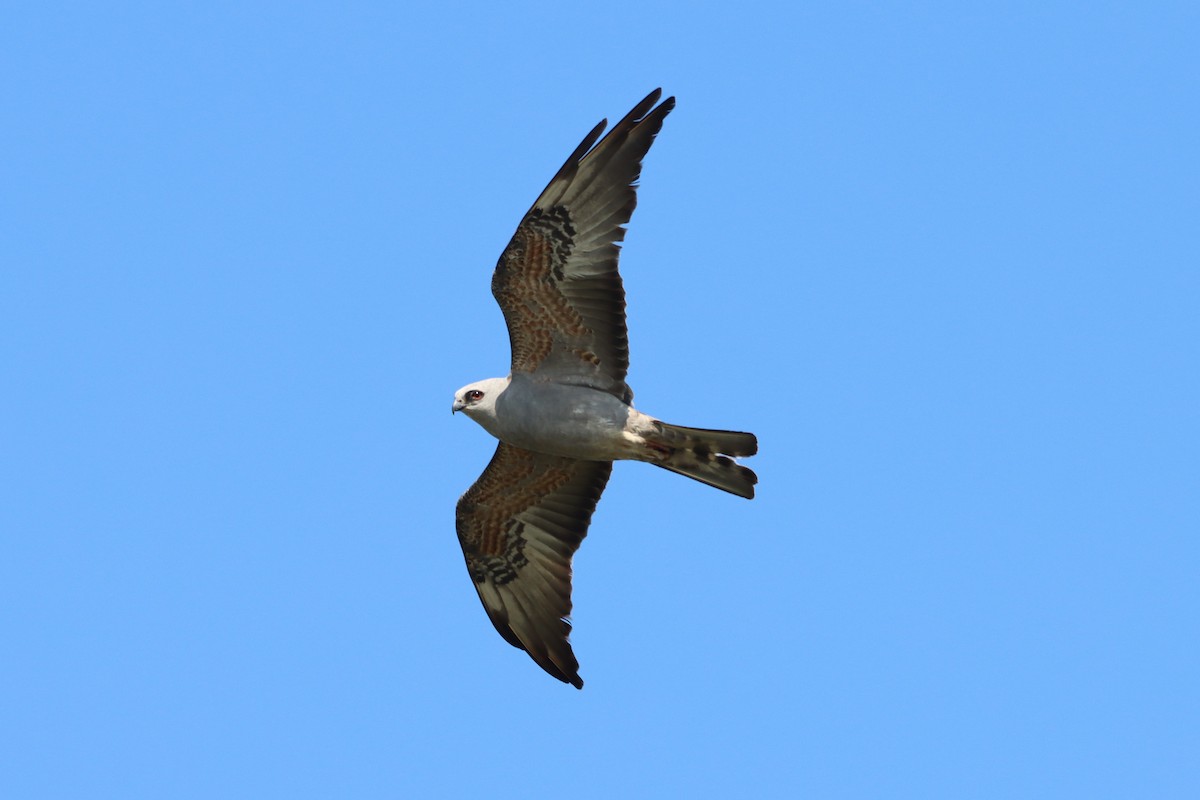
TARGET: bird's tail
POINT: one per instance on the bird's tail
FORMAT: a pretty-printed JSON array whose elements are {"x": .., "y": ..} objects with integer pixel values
[{"x": 706, "y": 456}]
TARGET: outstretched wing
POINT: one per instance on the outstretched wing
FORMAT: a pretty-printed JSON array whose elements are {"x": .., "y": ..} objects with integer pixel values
[
  {"x": 557, "y": 281},
  {"x": 519, "y": 525}
]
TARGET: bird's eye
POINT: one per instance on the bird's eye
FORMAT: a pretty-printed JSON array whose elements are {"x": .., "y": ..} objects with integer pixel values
[{"x": 473, "y": 395}]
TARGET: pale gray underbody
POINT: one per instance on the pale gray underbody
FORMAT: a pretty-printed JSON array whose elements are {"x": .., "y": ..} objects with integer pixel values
[
  {"x": 571, "y": 420},
  {"x": 562, "y": 419}
]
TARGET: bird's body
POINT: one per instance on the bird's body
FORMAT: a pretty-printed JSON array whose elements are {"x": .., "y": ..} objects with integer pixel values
[
  {"x": 557, "y": 419},
  {"x": 563, "y": 419},
  {"x": 564, "y": 414}
]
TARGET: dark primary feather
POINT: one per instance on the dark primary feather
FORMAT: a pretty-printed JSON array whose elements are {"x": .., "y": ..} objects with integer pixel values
[
  {"x": 557, "y": 281},
  {"x": 519, "y": 525}
]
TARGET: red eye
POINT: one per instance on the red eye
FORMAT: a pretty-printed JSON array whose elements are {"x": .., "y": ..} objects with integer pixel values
[{"x": 473, "y": 395}]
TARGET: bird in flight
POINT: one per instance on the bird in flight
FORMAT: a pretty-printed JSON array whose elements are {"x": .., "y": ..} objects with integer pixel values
[{"x": 565, "y": 413}]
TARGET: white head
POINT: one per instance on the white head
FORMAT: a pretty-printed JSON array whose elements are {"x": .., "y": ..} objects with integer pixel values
[{"x": 478, "y": 400}]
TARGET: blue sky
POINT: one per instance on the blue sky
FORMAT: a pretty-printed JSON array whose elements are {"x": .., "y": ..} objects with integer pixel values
[{"x": 942, "y": 258}]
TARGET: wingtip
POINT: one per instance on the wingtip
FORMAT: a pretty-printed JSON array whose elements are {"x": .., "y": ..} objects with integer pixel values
[
  {"x": 654, "y": 96},
  {"x": 567, "y": 673},
  {"x": 650, "y": 104}
]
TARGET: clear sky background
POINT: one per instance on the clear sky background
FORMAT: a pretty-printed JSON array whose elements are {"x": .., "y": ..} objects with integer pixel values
[{"x": 942, "y": 258}]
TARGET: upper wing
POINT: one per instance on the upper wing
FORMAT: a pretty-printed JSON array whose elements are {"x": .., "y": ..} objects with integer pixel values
[
  {"x": 519, "y": 525},
  {"x": 557, "y": 281}
]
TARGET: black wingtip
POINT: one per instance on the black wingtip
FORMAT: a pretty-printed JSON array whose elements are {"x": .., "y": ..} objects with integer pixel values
[
  {"x": 652, "y": 99},
  {"x": 647, "y": 107},
  {"x": 567, "y": 673}
]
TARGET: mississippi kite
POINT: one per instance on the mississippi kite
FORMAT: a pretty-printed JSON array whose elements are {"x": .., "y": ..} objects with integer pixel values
[{"x": 565, "y": 413}]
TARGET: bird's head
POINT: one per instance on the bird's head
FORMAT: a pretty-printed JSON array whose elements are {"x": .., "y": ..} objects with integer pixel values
[{"x": 478, "y": 400}]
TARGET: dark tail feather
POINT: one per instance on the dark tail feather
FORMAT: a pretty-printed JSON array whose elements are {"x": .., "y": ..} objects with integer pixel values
[{"x": 705, "y": 455}]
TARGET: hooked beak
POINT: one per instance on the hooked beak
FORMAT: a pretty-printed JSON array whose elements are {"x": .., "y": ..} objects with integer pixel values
[{"x": 459, "y": 405}]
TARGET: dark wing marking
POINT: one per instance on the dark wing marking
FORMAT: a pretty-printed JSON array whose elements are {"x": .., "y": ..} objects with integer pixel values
[
  {"x": 519, "y": 526},
  {"x": 557, "y": 281}
]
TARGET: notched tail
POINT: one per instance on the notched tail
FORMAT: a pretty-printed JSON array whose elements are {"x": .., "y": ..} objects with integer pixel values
[{"x": 706, "y": 455}]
